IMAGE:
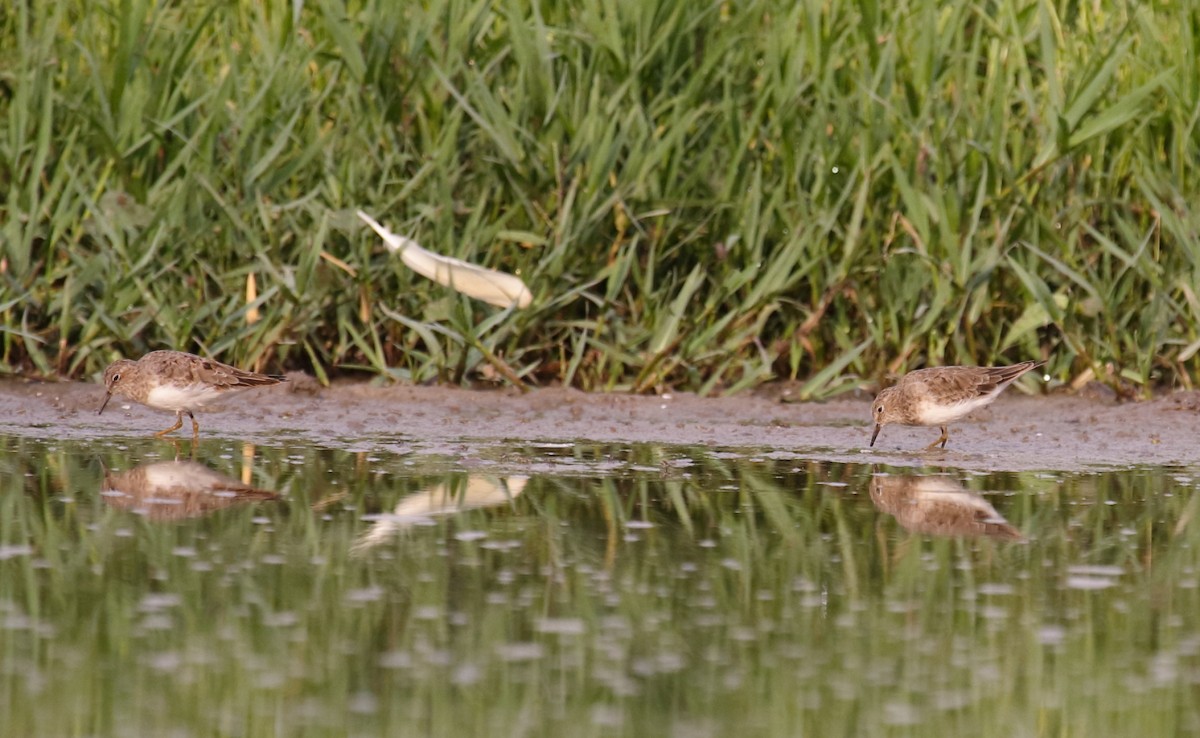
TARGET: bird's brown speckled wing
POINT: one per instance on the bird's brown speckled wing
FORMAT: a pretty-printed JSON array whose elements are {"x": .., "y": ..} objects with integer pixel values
[
  {"x": 189, "y": 368},
  {"x": 997, "y": 376},
  {"x": 936, "y": 506},
  {"x": 949, "y": 384},
  {"x": 953, "y": 520},
  {"x": 954, "y": 384}
]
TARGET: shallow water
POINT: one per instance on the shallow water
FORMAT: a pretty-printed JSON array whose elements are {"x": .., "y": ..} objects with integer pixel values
[{"x": 585, "y": 589}]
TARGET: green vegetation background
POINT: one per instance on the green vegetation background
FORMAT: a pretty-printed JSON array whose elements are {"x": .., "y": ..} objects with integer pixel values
[{"x": 704, "y": 195}]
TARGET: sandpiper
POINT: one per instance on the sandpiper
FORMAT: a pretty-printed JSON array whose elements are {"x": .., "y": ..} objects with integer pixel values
[
  {"x": 941, "y": 395},
  {"x": 938, "y": 505},
  {"x": 177, "y": 381},
  {"x": 175, "y": 490}
]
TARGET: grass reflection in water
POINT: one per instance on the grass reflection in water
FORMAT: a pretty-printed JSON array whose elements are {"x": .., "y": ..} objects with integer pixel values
[{"x": 584, "y": 589}]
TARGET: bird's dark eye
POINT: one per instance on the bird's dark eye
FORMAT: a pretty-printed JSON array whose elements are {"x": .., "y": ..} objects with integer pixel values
[
  {"x": 879, "y": 409},
  {"x": 116, "y": 378}
]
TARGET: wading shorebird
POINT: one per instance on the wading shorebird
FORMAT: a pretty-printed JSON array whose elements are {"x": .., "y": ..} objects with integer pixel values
[
  {"x": 938, "y": 505},
  {"x": 941, "y": 395},
  {"x": 177, "y": 490},
  {"x": 179, "y": 382}
]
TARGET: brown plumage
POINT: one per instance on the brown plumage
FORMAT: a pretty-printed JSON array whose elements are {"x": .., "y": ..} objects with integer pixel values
[
  {"x": 179, "y": 382},
  {"x": 175, "y": 490},
  {"x": 941, "y": 395},
  {"x": 937, "y": 505}
]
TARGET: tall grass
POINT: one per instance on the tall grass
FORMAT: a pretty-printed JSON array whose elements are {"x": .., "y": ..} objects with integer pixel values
[{"x": 700, "y": 195}]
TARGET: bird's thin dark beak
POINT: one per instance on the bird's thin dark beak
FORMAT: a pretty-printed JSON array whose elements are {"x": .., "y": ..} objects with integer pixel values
[
  {"x": 108, "y": 396},
  {"x": 875, "y": 435}
]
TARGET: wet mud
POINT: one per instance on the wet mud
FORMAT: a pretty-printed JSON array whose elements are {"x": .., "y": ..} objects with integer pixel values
[{"x": 1056, "y": 432}]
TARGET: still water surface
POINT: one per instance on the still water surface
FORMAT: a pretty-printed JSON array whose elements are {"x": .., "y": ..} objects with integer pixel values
[{"x": 583, "y": 589}]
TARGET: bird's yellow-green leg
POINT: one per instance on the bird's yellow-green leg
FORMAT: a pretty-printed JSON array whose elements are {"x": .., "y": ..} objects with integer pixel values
[
  {"x": 177, "y": 426},
  {"x": 941, "y": 439}
]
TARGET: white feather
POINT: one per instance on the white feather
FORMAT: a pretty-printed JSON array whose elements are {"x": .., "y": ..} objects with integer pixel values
[
  {"x": 481, "y": 491},
  {"x": 491, "y": 286}
]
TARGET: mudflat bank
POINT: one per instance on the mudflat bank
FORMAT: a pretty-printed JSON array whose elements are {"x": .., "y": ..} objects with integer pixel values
[{"x": 1055, "y": 432}]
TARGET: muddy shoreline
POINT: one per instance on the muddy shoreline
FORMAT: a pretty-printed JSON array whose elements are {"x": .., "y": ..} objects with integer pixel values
[{"x": 1053, "y": 433}]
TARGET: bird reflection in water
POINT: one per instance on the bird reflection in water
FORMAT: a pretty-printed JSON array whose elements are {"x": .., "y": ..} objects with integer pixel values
[
  {"x": 176, "y": 490},
  {"x": 939, "y": 506},
  {"x": 446, "y": 498}
]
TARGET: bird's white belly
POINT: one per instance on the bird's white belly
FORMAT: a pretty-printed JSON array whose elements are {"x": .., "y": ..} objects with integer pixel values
[
  {"x": 932, "y": 413},
  {"x": 180, "y": 397}
]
